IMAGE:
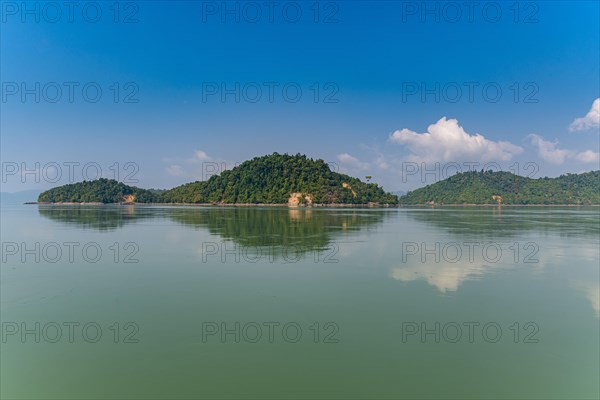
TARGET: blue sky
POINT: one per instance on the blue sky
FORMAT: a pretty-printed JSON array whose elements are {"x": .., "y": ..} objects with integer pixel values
[{"x": 374, "y": 88}]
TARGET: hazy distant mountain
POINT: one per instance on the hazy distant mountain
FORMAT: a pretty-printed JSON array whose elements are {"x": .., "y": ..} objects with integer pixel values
[{"x": 19, "y": 197}]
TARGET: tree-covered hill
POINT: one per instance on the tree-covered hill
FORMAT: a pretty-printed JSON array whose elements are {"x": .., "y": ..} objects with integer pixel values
[
  {"x": 98, "y": 191},
  {"x": 488, "y": 187},
  {"x": 281, "y": 178},
  {"x": 274, "y": 178}
]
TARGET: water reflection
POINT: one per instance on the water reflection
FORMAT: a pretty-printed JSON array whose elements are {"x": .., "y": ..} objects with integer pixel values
[
  {"x": 462, "y": 244},
  {"x": 275, "y": 228},
  {"x": 546, "y": 239},
  {"x": 498, "y": 222},
  {"x": 445, "y": 277},
  {"x": 370, "y": 293},
  {"x": 102, "y": 218},
  {"x": 591, "y": 291}
]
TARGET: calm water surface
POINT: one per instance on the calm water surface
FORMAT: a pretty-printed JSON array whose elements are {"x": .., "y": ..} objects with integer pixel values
[{"x": 159, "y": 302}]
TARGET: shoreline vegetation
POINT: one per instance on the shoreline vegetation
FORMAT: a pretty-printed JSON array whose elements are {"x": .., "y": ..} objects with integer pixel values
[
  {"x": 297, "y": 181},
  {"x": 341, "y": 205},
  {"x": 372, "y": 205}
]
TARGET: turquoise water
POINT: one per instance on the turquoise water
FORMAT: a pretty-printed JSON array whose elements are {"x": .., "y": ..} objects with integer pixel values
[{"x": 201, "y": 302}]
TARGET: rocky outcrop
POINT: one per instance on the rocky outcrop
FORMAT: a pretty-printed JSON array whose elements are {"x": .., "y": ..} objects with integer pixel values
[
  {"x": 128, "y": 198},
  {"x": 300, "y": 199}
]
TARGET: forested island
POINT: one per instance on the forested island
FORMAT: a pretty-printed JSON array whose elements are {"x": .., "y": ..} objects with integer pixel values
[
  {"x": 282, "y": 179},
  {"x": 273, "y": 179},
  {"x": 498, "y": 187}
]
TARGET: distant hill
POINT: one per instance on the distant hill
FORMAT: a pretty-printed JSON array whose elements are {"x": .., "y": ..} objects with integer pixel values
[
  {"x": 489, "y": 187},
  {"x": 98, "y": 191},
  {"x": 19, "y": 197},
  {"x": 272, "y": 179},
  {"x": 280, "y": 179}
]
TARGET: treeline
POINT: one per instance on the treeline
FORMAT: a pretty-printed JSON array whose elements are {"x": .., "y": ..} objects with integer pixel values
[{"x": 484, "y": 187}]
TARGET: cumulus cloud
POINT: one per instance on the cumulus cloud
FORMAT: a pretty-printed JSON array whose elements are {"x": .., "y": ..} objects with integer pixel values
[
  {"x": 588, "y": 157},
  {"x": 352, "y": 161},
  {"x": 201, "y": 155},
  {"x": 550, "y": 152},
  {"x": 175, "y": 170},
  {"x": 591, "y": 119},
  {"x": 446, "y": 140}
]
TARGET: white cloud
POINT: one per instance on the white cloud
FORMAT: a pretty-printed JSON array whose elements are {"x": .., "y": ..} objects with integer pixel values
[
  {"x": 201, "y": 155},
  {"x": 591, "y": 119},
  {"x": 347, "y": 158},
  {"x": 446, "y": 140},
  {"x": 352, "y": 161},
  {"x": 550, "y": 152},
  {"x": 175, "y": 170},
  {"x": 588, "y": 156}
]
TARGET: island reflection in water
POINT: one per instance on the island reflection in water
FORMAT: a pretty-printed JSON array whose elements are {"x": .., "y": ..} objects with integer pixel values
[
  {"x": 467, "y": 242},
  {"x": 279, "y": 230}
]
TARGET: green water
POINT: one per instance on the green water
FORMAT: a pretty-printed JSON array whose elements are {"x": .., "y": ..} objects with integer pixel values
[{"x": 275, "y": 303}]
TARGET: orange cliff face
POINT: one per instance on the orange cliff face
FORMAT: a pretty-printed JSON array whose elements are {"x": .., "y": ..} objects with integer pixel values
[
  {"x": 296, "y": 199},
  {"x": 128, "y": 198}
]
